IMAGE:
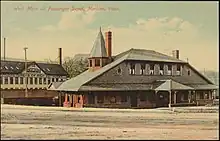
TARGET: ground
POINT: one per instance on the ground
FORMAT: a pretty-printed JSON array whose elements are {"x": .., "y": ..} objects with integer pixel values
[{"x": 28, "y": 122}]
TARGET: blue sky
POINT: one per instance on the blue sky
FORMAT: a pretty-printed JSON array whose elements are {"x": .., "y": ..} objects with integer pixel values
[{"x": 191, "y": 27}]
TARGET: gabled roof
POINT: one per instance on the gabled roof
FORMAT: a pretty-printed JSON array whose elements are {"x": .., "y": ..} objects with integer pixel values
[
  {"x": 99, "y": 49},
  {"x": 54, "y": 85},
  {"x": 169, "y": 85},
  {"x": 75, "y": 83},
  {"x": 16, "y": 67},
  {"x": 13, "y": 67},
  {"x": 150, "y": 55}
]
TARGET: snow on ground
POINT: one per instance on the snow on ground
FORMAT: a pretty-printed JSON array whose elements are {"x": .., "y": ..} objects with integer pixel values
[{"x": 29, "y": 122}]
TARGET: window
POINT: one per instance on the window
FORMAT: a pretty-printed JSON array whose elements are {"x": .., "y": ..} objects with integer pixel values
[
  {"x": 48, "y": 81},
  {"x": 189, "y": 73},
  {"x": 1, "y": 81},
  {"x": 26, "y": 80},
  {"x": 56, "y": 79},
  {"x": 17, "y": 68},
  {"x": 91, "y": 99},
  {"x": 161, "y": 69},
  {"x": 100, "y": 98},
  {"x": 48, "y": 69},
  {"x": 119, "y": 71},
  {"x": 40, "y": 80},
  {"x": 151, "y": 69},
  {"x": 206, "y": 96},
  {"x": 6, "y": 80},
  {"x": 123, "y": 98},
  {"x": 78, "y": 99},
  {"x": 16, "y": 80},
  {"x": 31, "y": 80},
  {"x": 90, "y": 63},
  {"x": 142, "y": 69},
  {"x": 132, "y": 69},
  {"x": 97, "y": 62},
  {"x": 178, "y": 70},
  {"x": 143, "y": 97},
  {"x": 21, "y": 80},
  {"x": 45, "y": 82},
  {"x": 35, "y": 80},
  {"x": 11, "y": 67},
  {"x": 201, "y": 95},
  {"x": 6, "y": 67},
  {"x": 11, "y": 80},
  {"x": 185, "y": 97},
  {"x": 169, "y": 70}
]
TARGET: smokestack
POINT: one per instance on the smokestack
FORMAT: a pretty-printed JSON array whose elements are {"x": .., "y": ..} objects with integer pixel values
[
  {"x": 4, "y": 47},
  {"x": 108, "y": 43},
  {"x": 176, "y": 54},
  {"x": 60, "y": 56}
]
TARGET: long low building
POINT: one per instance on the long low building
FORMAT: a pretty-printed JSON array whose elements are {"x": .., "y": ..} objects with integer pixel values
[{"x": 39, "y": 76}]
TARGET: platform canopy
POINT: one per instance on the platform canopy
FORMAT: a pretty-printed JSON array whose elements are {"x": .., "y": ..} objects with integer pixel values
[{"x": 169, "y": 85}]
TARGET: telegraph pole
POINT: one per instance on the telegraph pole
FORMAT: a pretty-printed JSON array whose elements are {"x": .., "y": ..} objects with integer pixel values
[
  {"x": 25, "y": 57},
  {"x": 4, "y": 47}
]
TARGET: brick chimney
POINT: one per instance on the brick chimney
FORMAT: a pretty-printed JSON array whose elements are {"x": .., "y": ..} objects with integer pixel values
[
  {"x": 108, "y": 43},
  {"x": 60, "y": 56},
  {"x": 176, "y": 54}
]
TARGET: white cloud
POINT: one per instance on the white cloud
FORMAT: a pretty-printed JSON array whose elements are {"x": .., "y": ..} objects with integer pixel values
[
  {"x": 161, "y": 34},
  {"x": 71, "y": 20}
]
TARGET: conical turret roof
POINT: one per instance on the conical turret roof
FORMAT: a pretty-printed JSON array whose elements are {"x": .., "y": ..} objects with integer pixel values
[{"x": 99, "y": 49}]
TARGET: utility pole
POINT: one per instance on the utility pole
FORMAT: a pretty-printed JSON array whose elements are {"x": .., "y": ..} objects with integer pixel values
[
  {"x": 25, "y": 57},
  {"x": 4, "y": 47}
]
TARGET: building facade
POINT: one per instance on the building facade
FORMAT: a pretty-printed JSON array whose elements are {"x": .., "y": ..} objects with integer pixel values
[
  {"x": 136, "y": 78},
  {"x": 15, "y": 79}
]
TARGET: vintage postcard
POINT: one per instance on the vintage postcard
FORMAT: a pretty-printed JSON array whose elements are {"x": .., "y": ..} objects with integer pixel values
[{"x": 109, "y": 70}]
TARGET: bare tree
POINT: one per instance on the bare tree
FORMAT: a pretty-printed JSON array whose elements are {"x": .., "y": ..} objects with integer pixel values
[{"x": 75, "y": 67}]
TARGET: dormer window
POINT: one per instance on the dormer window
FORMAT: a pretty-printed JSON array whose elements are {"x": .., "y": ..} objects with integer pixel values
[
  {"x": 132, "y": 69},
  {"x": 178, "y": 70},
  {"x": 151, "y": 69},
  {"x": 119, "y": 71},
  {"x": 169, "y": 72},
  {"x": 48, "y": 69},
  {"x": 6, "y": 67},
  {"x": 97, "y": 62},
  {"x": 161, "y": 69},
  {"x": 142, "y": 71},
  {"x": 17, "y": 68},
  {"x": 189, "y": 73},
  {"x": 11, "y": 67}
]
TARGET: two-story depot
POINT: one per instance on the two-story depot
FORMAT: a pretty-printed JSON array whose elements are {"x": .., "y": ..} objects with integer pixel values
[{"x": 136, "y": 78}]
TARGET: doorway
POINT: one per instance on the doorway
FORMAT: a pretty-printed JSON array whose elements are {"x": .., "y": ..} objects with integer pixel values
[
  {"x": 133, "y": 100},
  {"x": 162, "y": 99}
]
